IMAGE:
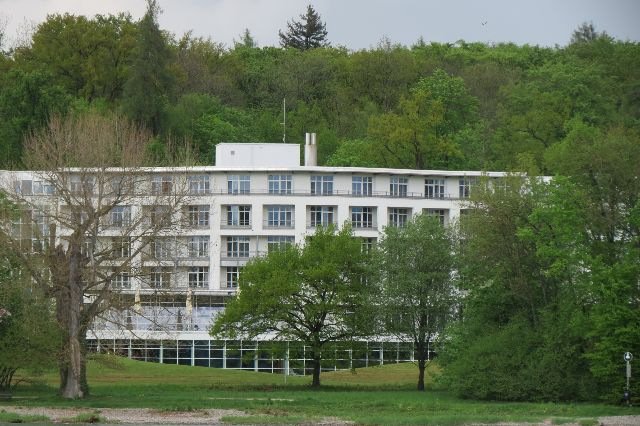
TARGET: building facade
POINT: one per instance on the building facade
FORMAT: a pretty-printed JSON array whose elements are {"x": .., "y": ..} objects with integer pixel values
[{"x": 256, "y": 198}]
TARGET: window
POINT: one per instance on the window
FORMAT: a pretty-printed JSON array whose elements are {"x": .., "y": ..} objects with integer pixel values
[
  {"x": 198, "y": 184},
  {"x": 279, "y": 216},
  {"x": 161, "y": 248},
  {"x": 121, "y": 247},
  {"x": 368, "y": 244},
  {"x": 237, "y": 246},
  {"x": 280, "y": 184},
  {"x": 464, "y": 186},
  {"x": 160, "y": 216},
  {"x": 24, "y": 187},
  {"x": 121, "y": 216},
  {"x": 198, "y": 216},
  {"x": 43, "y": 188},
  {"x": 441, "y": 214},
  {"x": 501, "y": 184},
  {"x": 239, "y": 216},
  {"x": 199, "y": 276},
  {"x": 81, "y": 184},
  {"x": 233, "y": 273},
  {"x": 160, "y": 277},
  {"x": 276, "y": 242},
  {"x": 41, "y": 224},
  {"x": 362, "y": 217},
  {"x": 31, "y": 228},
  {"x": 398, "y": 217},
  {"x": 321, "y": 216},
  {"x": 238, "y": 184},
  {"x": 362, "y": 185},
  {"x": 161, "y": 185},
  {"x": 121, "y": 280},
  {"x": 198, "y": 246},
  {"x": 434, "y": 188},
  {"x": 321, "y": 185},
  {"x": 398, "y": 186}
]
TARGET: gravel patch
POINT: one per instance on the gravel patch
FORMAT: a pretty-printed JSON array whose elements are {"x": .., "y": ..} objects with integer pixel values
[
  {"x": 133, "y": 415},
  {"x": 212, "y": 416}
]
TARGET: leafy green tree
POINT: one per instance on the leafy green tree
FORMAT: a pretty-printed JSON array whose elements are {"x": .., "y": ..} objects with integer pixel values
[
  {"x": 27, "y": 100},
  {"x": 148, "y": 89},
  {"x": 410, "y": 138},
  {"x": 381, "y": 75},
  {"x": 536, "y": 113},
  {"x": 353, "y": 153},
  {"x": 315, "y": 294},
  {"x": 522, "y": 335},
  {"x": 28, "y": 332},
  {"x": 88, "y": 57},
  {"x": 307, "y": 33},
  {"x": 417, "y": 295},
  {"x": 459, "y": 107},
  {"x": 610, "y": 208}
]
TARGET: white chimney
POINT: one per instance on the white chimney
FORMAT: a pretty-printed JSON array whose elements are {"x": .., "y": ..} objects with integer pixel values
[{"x": 310, "y": 150}]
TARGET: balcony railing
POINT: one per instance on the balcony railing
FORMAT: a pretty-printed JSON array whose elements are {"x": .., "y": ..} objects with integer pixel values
[
  {"x": 240, "y": 255},
  {"x": 340, "y": 193},
  {"x": 313, "y": 224},
  {"x": 281, "y": 224}
]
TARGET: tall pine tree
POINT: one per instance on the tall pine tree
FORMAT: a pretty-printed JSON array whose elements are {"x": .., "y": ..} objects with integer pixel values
[
  {"x": 148, "y": 88},
  {"x": 307, "y": 33}
]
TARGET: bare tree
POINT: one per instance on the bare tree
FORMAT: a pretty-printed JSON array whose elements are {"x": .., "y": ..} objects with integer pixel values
[{"x": 87, "y": 208}]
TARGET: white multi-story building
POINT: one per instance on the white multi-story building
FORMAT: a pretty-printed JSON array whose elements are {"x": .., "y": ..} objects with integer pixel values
[{"x": 256, "y": 197}]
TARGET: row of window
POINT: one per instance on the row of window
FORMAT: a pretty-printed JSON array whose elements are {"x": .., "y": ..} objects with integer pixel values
[
  {"x": 276, "y": 216},
  {"x": 160, "y": 277},
  {"x": 283, "y": 184},
  {"x": 277, "y": 184},
  {"x": 165, "y": 248}
]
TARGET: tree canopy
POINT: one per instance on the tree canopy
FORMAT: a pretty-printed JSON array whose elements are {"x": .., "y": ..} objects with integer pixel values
[
  {"x": 315, "y": 293},
  {"x": 307, "y": 33},
  {"x": 417, "y": 290}
]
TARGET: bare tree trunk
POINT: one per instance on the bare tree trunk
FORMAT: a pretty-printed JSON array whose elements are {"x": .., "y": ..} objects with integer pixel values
[
  {"x": 421, "y": 355},
  {"x": 421, "y": 368},
  {"x": 316, "y": 363},
  {"x": 315, "y": 383},
  {"x": 72, "y": 365}
]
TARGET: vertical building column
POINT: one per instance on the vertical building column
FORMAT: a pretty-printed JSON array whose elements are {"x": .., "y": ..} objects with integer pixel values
[
  {"x": 366, "y": 354},
  {"x": 224, "y": 354},
  {"x": 255, "y": 358},
  {"x": 286, "y": 361}
]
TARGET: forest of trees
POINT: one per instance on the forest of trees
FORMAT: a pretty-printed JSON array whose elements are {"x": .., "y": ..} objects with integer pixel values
[
  {"x": 550, "y": 271},
  {"x": 429, "y": 105}
]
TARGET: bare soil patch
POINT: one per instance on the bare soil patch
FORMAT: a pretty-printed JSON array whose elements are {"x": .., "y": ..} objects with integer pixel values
[{"x": 132, "y": 415}]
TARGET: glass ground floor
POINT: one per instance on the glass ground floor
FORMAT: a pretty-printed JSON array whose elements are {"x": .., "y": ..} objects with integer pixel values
[{"x": 264, "y": 356}]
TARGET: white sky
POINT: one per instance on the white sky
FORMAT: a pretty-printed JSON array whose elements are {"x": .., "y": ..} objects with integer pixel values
[{"x": 359, "y": 24}]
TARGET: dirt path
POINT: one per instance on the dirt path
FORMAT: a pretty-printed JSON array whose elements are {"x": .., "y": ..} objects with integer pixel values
[
  {"x": 213, "y": 416},
  {"x": 132, "y": 415}
]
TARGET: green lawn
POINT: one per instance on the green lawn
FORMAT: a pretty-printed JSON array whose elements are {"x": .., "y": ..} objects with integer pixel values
[{"x": 376, "y": 395}]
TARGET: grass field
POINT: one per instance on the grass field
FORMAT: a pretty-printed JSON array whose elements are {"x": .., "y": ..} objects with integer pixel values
[{"x": 376, "y": 395}]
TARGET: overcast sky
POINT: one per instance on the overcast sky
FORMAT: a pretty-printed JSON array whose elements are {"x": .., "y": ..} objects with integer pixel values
[{"x": 360, "y": 24}]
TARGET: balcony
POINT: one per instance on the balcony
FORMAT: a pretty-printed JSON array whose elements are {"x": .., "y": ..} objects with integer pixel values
[
  {"x": 235, "y": 258},
  {"x": 312, "y": 224},
  {"x": 278, "y": 224}
]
